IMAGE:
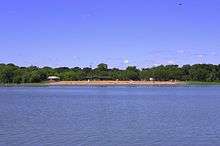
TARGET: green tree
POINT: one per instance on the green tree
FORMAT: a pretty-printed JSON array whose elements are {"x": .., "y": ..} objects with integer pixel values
[
  {"x": 132, "y": 73},
  {"x": 102, "y": 67},
  {"x": 7, "y": 74}
]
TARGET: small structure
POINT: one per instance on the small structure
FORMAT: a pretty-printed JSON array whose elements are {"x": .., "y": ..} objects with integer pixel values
[
  {"x": 53, "y": 78},
  {"x": 151, "y": 79}
]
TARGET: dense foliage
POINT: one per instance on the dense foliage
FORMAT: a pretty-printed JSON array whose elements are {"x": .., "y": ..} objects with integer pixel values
[{"x": 10, "y": 73}]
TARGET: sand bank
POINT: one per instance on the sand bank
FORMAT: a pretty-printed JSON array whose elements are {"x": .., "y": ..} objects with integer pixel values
[{"x": 115, "y": 83}]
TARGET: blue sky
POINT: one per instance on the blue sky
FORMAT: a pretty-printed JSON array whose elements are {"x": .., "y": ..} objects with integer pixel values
[{"x": 118, "y": 32}]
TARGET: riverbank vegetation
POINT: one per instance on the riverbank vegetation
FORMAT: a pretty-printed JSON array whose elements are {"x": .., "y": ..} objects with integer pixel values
[{"x": 12, "y": 74}]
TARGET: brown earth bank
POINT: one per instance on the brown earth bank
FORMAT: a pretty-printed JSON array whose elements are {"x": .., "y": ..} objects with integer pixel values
[{"x": 115, "y": 83}]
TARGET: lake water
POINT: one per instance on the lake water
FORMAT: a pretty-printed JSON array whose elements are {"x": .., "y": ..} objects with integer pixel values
[{"x": 110, "y": 116}]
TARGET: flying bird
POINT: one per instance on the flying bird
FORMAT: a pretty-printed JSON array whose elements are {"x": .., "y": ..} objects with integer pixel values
[{"x": 180, "y": 4}]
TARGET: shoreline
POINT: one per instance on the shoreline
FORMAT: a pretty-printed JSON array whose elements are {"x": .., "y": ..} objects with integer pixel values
[
  {"x": 110, "y": 83},
  {"x": 100, "y": 83}
]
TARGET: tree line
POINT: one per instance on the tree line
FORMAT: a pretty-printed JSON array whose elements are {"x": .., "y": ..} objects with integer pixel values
[{"x": 10, "y": 73}]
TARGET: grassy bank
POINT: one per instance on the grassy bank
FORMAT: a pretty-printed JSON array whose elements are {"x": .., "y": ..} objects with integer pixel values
[
  {"x": 201, "y": 83},
  {"x": 86, "y": 83},
  {"x": 25, "y": 84}
]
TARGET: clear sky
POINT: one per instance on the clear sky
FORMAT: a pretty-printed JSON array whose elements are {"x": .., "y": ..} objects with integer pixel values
[{"x": 117, "y": 32}]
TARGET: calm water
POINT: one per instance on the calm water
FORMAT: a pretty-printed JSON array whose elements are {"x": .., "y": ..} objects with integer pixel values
[{"x": 110, "y": 116}]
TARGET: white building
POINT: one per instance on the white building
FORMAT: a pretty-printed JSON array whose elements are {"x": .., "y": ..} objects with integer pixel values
[
  {"x": 151, "y": 79},
  {"x": 53, "y": 78}
]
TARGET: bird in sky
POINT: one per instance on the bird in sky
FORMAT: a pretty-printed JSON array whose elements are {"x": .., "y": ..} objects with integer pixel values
[{"x": 180, "y": 4}]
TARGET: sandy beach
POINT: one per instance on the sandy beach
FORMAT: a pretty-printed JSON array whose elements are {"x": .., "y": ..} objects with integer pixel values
[{"x": 115, "y": 83}]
